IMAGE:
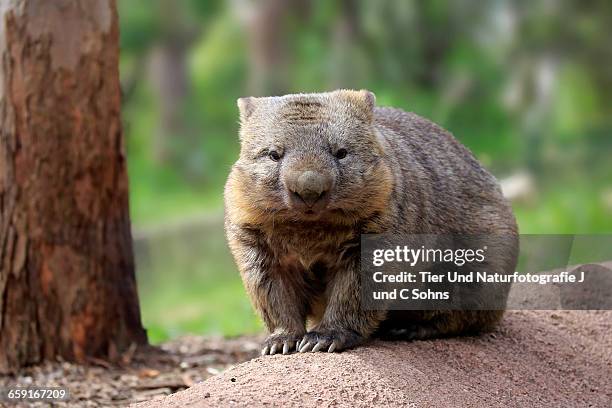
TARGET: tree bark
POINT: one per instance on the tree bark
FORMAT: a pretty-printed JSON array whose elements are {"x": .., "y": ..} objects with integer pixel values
[{"x": 67, "y": 285}]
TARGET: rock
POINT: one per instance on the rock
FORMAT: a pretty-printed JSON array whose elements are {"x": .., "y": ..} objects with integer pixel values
[{"x": 535, "y": 358}]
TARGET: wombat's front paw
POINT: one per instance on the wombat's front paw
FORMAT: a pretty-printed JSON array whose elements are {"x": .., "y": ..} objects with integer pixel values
[
  {"x": 329, "y": 340},
  {"x": 280, "y": 341}
]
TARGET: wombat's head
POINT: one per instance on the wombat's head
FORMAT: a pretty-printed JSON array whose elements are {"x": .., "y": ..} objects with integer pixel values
[{"x": 309, "y": 157}]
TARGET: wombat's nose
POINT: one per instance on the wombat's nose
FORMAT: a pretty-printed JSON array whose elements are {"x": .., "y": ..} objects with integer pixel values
[{"x": 310, "y": 187}]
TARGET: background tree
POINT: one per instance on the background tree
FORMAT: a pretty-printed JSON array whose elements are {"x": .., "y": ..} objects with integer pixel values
[
  {"x": 67, "y": 284},
  {"x": 267, "y": 26}
]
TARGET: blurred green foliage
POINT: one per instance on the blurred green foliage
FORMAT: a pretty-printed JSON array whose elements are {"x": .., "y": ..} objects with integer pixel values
[
  {"x": 188, "y": 284},
  {"x": 525, "y": 85}
]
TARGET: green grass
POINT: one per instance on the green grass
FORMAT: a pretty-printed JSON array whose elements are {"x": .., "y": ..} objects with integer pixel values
[
  {"x": 567, "y": 209},
  {"x": 200, "y": 307},
  {"x": 188, "y": 283}
]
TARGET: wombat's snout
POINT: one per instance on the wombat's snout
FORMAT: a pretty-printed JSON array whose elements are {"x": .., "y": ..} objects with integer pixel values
[{"x": 308, "y": 190}]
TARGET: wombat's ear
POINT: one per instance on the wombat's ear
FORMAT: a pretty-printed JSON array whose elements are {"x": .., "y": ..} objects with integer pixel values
[
  {"x": 363, "y": 101},
  {"x": 366, "y": 101},
  {"x": 246, "y": 106},
  {"x": 369, "y": 99}
]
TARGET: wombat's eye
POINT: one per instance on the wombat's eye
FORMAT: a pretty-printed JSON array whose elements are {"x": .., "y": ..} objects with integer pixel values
[
  {"x": 340, "y": 154},
  {"x": 273, "y": 155}
]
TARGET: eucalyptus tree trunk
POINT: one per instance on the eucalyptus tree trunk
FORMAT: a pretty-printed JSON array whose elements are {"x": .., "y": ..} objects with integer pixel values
[{"x": 67, "y": 285}]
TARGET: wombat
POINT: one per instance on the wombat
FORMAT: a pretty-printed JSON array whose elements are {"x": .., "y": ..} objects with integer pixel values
[{"x": 318, "y": 170}]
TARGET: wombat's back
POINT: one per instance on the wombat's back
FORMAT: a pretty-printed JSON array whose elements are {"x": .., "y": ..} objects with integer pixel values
[
  {"x": 442, "y": 189},
  {"x": 440, "y": 184}
]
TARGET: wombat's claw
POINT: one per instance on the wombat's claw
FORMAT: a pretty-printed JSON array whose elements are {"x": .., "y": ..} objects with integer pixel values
[
  {"x": 314, "y": 342},
  {"x": 329, "y": 341},
  {"x": 277, "y": 343},
  {"x": 306, "y": 347},
  {"x": 301, "y": 345},
  {"x": 322, "y": 345}
]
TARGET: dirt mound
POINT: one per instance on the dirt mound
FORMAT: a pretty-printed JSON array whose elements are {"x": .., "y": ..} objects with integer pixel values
[{"x": 543, "y": 358}]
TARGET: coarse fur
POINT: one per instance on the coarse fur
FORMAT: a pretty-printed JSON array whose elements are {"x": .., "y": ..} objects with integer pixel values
[{"x": 375, "y": 170}]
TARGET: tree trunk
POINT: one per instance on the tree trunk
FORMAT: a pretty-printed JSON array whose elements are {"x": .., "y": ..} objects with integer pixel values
[
  {"x": 67, "y": 285},
  {"x": 266, "y": 46},
  {"x": 345, "y": 38},
  {"x": 170, "y": 82}
]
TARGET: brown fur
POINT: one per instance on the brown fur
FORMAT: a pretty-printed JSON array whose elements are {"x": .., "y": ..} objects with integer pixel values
[{"x": 401, "y": 174}]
